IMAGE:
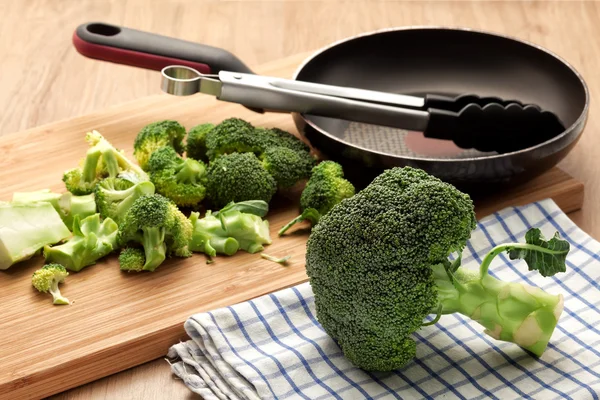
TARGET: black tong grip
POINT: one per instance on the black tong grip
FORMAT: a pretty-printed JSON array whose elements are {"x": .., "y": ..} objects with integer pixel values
[{"x": 486, "y": 125}]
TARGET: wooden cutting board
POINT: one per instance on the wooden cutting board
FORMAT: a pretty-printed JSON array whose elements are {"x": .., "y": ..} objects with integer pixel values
[{"x": 121, "y": 320}]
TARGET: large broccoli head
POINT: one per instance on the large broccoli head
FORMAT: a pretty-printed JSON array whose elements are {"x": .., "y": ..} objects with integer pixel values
[{"x": 369, "y": 263}]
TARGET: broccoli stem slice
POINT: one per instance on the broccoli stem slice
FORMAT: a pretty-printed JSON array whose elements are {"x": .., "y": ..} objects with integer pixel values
[
  {"x": 56, "y": 295},
  {"x": 511, "y": 312},
  {"x": 153, "y": 241},
  {"x": 224, "y": 245},
  {"x": 89, "y": 171},
  {"x": 309, "y": 214}
]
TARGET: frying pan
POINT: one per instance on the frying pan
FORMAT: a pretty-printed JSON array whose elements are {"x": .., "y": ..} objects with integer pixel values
[{"x": 418, "y": 61}]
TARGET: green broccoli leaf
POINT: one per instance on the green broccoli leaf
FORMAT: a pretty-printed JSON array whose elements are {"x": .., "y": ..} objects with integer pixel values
[
  {"x": 547, "y": 257},
  {"x": 256, "y": 207}
]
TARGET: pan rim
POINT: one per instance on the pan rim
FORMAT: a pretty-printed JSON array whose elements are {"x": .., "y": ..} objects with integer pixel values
[{"x": 581, "y": 119}]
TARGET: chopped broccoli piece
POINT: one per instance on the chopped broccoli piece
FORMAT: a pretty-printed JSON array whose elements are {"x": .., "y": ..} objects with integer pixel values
[
  {"x": 233, "y": 135},
  {"x": 114, "y": 196},
  {"x": 196, "y": 142},
  {"x": 101, "y": 161},
  {"x": 66, "y": 204},
  {"x": 156, "y": 223},
  {"x": 209, "y": 237},
  {"x": 46, "y": 280},
  {"x": 378, "y": 264},
  {"x": 278, "y": 260},
  {"x": 156, "y": 135},
  {"x": 91, "y": 241},
  {"x": 238, "y": 177},
  {"x": 181, "y": 180},
  {"x": 26, "y": 228},
  {"x": 228, "y": 230},
  {"x": 287, "y": 166},
  {"x": 132, "y": 259},
  {"x": 325, "y": 188}
]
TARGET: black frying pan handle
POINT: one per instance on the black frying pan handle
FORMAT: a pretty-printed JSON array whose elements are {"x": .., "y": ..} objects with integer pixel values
[{"x": 132, "y": 47}]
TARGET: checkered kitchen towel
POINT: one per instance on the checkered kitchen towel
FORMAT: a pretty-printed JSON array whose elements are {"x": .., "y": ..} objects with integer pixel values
[{"x": 273, "y": 346}]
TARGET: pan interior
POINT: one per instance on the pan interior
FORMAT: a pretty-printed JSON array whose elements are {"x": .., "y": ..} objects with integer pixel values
[{"x": 446, "y": 62}]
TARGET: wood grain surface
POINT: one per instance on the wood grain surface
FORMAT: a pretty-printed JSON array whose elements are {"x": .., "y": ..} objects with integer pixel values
[{"x": 43, "y": 79}]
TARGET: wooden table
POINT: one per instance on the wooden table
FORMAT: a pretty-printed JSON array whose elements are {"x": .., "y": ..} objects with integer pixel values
[{"x": 43, "y": 79}]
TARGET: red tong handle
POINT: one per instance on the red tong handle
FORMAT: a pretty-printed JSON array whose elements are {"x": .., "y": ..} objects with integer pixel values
[{"x": 131, "y": 47}]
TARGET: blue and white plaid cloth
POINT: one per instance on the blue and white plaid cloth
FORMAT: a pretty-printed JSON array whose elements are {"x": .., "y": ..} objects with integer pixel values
[{"x": 273, "y": 346}]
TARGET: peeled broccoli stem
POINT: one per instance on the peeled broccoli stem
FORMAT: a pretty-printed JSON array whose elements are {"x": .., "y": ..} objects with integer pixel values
[
  {"x": 57, "y": 296},
  {"x": 155, "y": 249},
  {"x": 511, "y": 312}
]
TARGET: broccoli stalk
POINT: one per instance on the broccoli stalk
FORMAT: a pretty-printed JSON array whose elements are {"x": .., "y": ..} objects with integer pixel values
[
  {"x": 66, "y": 204},
  {"x": 102, "y": 160},
  {"x": 46, "y": 280},
  {"x": 156, "y": 223},
  {"x": 91, "y": 241}
]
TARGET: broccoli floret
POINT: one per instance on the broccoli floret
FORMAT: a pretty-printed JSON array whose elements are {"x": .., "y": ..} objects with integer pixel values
[
  {"x": 156, "y": 223},
  {"x": 233, "y": 135},
  {"x": 181, "y": 180},
  {"x": 26, "y": 228},
  {"x": 66, "y": 204},
  {"x": 378, "y": 265},
  {"x": 238, "y": 177},
  {"x": 196, "y": 142},
  {"x": 156, "y": 135},
  {"x": 230, "y": 229},
  {"x": 287, "y": 166},
  {"x": 325, "y": 188},
  {"x": 114, "y": 196},
  {"x": 47, "y": 278},
  {"x": 91, "y": 241},
  {"x": 132, "y": 259},
  {"x": 280, "y": 138},
  {"x": 101, "y": 161}
]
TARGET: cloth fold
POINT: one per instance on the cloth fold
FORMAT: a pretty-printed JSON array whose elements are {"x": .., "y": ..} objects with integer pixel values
[{"x": 273, "y": 347}]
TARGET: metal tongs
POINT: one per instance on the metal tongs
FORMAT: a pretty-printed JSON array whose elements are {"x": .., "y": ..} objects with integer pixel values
[{"x": 482, "y": 123}]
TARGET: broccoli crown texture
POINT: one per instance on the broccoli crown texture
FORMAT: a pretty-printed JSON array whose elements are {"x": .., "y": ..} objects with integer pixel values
[
  {"x": 102, "y": 160},
  {"x": 46, "y": 280},
  {"x": 132, "y": 259},
  {"x": 287, "y": 166},
  {"x": 279, "y": 137},
  {"x": 233, "y": 135},
  {"x": 325, "y": 188},
  {"x": 196, "y": 142},
  {"x": 114, "y": 196},
  {"x": 92, "y": 239},
  {"x": 159, "y": 134},
  {"x": 369, "y": 260},
  {"x": 238, "y": 177},
  {"x": 181, "y": 180},
  {"x": 156, "y": 223}
]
